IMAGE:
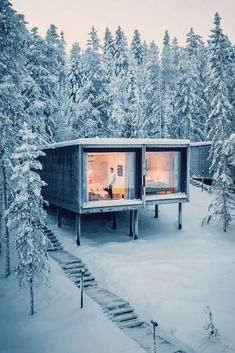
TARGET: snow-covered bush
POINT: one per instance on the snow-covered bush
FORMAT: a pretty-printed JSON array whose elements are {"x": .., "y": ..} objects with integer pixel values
[{"x": 212, "y": 332}]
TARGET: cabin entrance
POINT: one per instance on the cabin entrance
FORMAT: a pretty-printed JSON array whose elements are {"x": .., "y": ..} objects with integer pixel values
[
  {"x": 163, "y": 172},
  {"x": 109, "y": 176}
]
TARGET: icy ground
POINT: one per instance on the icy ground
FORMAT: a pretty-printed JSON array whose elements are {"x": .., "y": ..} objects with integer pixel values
[
  {"x": 167, "y": 275},
  {"x": 59, "y": 326}
]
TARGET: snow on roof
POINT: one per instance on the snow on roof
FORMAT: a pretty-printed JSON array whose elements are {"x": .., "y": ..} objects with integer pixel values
[
  {"x": 97, "y": 141},
  {"x": 201, "y": 143}
]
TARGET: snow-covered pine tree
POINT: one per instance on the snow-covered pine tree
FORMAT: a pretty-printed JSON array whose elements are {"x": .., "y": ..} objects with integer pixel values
[
  {"x": 116, "y": 56},
  {"x": 134, "y": 119},
  {"x": 75, "y": 82},
  {"x": 166, "y": 87},
  {"x": 35, "y": 91},
  {"x": 26, "y": 214},
  {"x": 92, "y": 108},
  {"x": 108, "y": 55},
  {"x": 219, "y": 125},
  {"x": 190, "y": 108},
  {"x": 55, "y": 85},
  {"x": 137, "y": 48},
  {"x": 13, "y": 35},
  {"x": 152, "y": 92},
  {"x": 120, "y": 53}
]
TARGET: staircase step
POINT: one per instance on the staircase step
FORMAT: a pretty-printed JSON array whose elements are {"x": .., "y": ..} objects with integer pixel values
[
  {"x": 73, "y": 271},
  {"x": 114, "y": 304},
  {"x": 86, "y": 280},
  {"x": 88, "y": 284},
  {"x": 130, "y": 324},
  {"x": 70, "y": 261},
  {"x": 72, "y": 266},
  {"x": 78, "y": 275},
  {"x": 119, "y": 311},
  {"x": 55, "y": 249},
  {"x": 124, "y": 317}
]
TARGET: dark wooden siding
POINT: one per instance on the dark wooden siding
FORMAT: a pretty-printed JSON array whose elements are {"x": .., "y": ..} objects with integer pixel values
[
  {"x": 199, "y": 163},
  {"x": 60, "y": 172}
]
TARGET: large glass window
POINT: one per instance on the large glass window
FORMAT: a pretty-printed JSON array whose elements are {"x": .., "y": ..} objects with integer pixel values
[
  {"x": 163, "y": 172},
  {"x": 109, "y": 176}
]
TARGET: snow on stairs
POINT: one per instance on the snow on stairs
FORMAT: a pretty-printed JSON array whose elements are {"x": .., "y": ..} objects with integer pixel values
[
  {"x": 198, "y": 184},
  {"x": 117, "y": 310},
  {"x": 53, "y": 244}
]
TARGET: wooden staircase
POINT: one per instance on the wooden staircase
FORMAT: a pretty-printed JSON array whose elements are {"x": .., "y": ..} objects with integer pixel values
[{"x": 119, "y": 311}]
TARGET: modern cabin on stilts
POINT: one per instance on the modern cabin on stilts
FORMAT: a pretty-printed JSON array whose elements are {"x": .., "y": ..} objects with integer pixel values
[{"x": 96, "y": 175}]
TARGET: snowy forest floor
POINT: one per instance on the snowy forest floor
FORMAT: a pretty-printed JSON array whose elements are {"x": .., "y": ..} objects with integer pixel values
[
  {"x": 59, "y": 326},
  {"x": 167, "y": 275}
]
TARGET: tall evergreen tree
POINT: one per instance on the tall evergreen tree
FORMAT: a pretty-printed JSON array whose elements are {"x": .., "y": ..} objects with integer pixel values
[
  {"x": 152, "y": 92},
  {"x": 92, "y": 108},
  {"x": 35, "y": 94},
  {"x": 166, "y": 87},
  {"x": 108, "y": 54},
  {"x": 219, "y": 125},
  {"x": 137, "y": 48},
  {"x": 55, "y": 84},
  {"x": 26, "y": 214},
  {"x": 190, "y": 108},
  {"x": 120, "y": 53},
  {"x": 13, "y": 36}
]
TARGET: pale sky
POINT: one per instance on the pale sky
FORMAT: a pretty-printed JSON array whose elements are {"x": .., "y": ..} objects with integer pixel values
[{"x": 151, "y": 17}]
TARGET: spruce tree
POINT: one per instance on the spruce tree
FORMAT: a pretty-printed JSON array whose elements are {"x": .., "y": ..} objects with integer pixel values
[
  {"x": 13, "y": 81},
  {"x": 55, "y": 85},
  {"x": 190, "y": 108},
  {"x": 219, "y": 126},
  {"x": 75, "y": 82},
  {"x": 166, "y": 87},
  {"x": 152, "y": 92},
  {"x": 93, "y": 104},
  {"x": 26, "y": 214},
  {"x": 137, "y": 48}
]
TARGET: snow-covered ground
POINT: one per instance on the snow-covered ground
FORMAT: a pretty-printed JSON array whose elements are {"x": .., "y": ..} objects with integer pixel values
[
  {"x": 167, "y": 275},
  {"x": 59, "y": 326}
]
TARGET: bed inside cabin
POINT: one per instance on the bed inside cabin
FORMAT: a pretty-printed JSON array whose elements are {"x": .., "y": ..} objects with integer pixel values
[{"x": 163, "y": 173}]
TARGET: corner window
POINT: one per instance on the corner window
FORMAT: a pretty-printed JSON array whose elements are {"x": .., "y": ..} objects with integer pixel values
[
  {"x": 163, "y": 172},
  {"x": 109, "y": 176}
]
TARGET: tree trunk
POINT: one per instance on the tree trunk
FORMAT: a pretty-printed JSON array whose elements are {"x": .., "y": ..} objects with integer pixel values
[
  {"x": 7, "y": 271},
  {"x": 31, "y": 298}
]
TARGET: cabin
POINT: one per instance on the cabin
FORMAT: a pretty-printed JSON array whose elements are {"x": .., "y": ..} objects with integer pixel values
[
  {"x": 142, "y": 172},
  {"x": 199, "y": 163}
]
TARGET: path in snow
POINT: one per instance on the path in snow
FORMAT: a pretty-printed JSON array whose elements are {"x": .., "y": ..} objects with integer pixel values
[{"x": 118, "y": 310}]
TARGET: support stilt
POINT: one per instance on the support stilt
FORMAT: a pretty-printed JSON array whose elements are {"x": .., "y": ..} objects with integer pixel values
[
  {"x": 156, "y": 211},
  {"x": 78, "y": 229},
  {"x": 180, "y": 216},
  {"x": 136, "y": 224},
  {"x": 114, "y": 220},
  {"x": 58, "y": 217},
  {"x": 131, "y": 230}
]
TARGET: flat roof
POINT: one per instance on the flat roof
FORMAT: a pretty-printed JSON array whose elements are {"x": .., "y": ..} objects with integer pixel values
[
  {"x": 200, "y": 143},
  {"x": 97, "y": 141}
]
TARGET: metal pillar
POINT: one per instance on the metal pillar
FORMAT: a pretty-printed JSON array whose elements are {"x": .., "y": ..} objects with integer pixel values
[
  {"x": 58, "y": 217},
  {"x": 114, "y": 216},
  {"x": 180, "y": 216},
  {"x": 136, "y": 224},
  {"x": 131, "y": 230},
  {"x": 78, "y": 229},
  {"x": 156, "y": 211},
  {"x": 82, "y": 287}
]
